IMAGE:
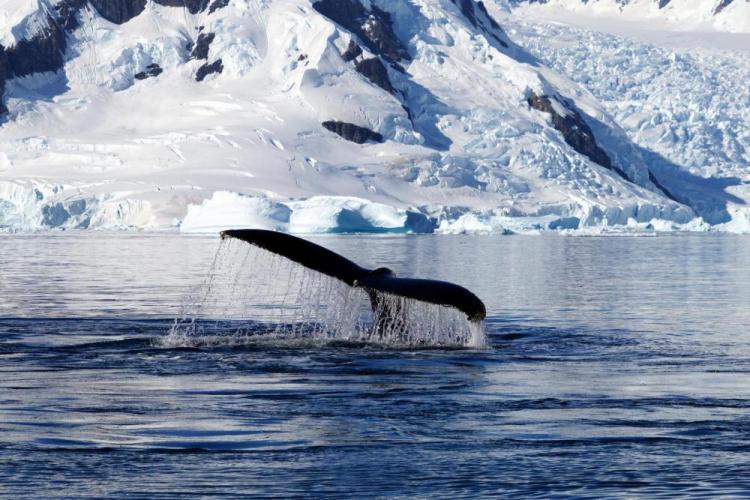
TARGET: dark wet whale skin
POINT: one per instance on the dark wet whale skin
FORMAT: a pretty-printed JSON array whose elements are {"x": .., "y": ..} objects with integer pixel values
[{"x": 381, "y": 279}]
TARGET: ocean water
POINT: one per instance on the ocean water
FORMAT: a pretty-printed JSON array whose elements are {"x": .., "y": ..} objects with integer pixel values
[{"x": 615, "y": 366}]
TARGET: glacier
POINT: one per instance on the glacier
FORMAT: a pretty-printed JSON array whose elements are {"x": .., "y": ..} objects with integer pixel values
[
  {"x": 200, "y": 118},
  {"x": 694, "y": 15},
  {"x": 680, "y": 96}
]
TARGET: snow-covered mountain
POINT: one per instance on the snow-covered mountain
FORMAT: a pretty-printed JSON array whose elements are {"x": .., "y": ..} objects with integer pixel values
[{"x": 304, "y": 115}]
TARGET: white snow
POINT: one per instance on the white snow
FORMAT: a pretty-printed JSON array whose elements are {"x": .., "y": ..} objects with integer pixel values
[
  {"x": 246, "y": 148},
  {"x": 19, "y": 19},
  {"x": 679, "y": 15}
]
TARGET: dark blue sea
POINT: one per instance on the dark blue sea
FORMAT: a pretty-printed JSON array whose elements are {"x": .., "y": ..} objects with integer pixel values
[{"x": 616, "y": 366}]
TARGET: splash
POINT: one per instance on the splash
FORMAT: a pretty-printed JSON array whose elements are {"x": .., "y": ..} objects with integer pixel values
[{"x": 254, "y": 296}]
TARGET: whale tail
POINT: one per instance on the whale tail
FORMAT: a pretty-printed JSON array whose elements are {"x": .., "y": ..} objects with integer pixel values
[{"x": 381, "y": 280}]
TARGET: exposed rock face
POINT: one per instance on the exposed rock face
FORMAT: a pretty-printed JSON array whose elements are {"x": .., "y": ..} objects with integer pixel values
[
  {"x": 723, "y": 4},
  {"x": 67, "y": 11},
  {"x": 119, "y": 11},
  {"x": 353, "y": 133},
  {"x": 663, "y": 3},
  {"x": 348, "y": 13},
  {"x": 378, "y": 28},
  {"x": 374, "y": 27},
  {"x": 352, "y": 52},
  {"x": 151, "y": 70},
  {"x": 200, "y": 49},
  {"x": 43, "y": 52},
  {"x": 478, "y": 21},
  {"x": 122, "y": 11},
  {"x": 375, "y": 71},
  {"x": 215, "y": 67},
  {"x": 218, "y": 4},
  {"x": 575, "y": 130},
  {"x": 3, "y": 77},
  {"x": 4, "y": 69},
  {"x": 194, "y": 6}
]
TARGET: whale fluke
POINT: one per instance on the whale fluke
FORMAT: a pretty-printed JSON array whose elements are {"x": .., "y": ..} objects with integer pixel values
[{"x": 383, "y": 280}]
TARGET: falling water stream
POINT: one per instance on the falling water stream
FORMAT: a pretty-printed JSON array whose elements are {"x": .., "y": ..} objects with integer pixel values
[{"x": 252, "y": 295}]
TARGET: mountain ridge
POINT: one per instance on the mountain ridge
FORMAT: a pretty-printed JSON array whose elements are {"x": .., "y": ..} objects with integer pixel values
[{"x": 444, "y": 120}]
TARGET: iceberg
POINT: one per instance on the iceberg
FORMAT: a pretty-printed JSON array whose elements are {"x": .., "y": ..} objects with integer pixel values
[{"x": 318, "y": 214}]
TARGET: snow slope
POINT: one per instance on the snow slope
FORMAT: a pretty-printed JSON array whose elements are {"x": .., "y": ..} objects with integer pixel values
[
  {"x": 17, "y": 20},
  {"x": 91, "y": 145},
  {"x": 693, "y": 15}
]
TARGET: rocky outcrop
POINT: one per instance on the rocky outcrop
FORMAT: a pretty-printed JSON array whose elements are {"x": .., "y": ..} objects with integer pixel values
[
  {"x": 217, "y": 4},
  {"x": 207, "y": 69},
  {"x": 378, "y": 30},
  {"x": 723, "y": 4},
  {"x": 374, "y": 27},
  {"x": 478, "y": 19},
  {"x": 375, "y": 71},
  {"x": 352, "y": 52},
  {"x": 193, "y": 6},
  {"x": 372, "y": 68},
  {"x": 67, "y": 13},
  {"x": 122, "y": 11},
  {"x": 119, "y": 11},
  {"x": 663, "y": 3},
  {"x": 152, "y": 70},
  {"x": 575, "y": 130},
  {"x": 353, "y": 133},
  {"x": 42, "y": 52},
  {"x": 3, "y": 77},
  {"x": 200, "y": 49}
]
